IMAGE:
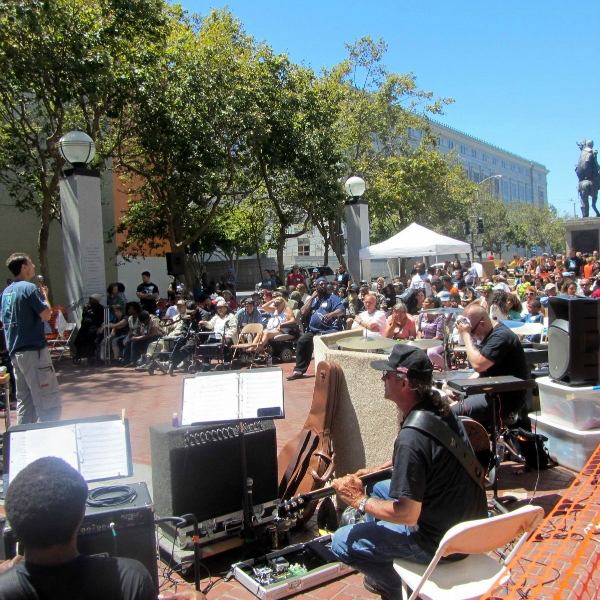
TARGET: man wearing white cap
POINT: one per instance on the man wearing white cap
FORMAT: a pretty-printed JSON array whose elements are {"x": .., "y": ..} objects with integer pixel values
[{"x": 24, "y": 308}]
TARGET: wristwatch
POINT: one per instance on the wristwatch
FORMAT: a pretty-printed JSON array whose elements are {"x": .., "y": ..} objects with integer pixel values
[{"x": 362, "y": 504}]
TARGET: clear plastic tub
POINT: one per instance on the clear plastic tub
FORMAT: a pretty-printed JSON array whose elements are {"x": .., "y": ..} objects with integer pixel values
[
  {"x": 577, "y": 407},
  {"x": 567, "y": 446}
]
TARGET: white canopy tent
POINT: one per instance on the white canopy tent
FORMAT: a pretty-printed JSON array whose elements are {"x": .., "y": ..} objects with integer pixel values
[{"x": 415, "y": 240}]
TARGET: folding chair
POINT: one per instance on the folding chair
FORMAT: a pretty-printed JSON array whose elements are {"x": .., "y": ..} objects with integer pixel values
[
  {"x": 478, "y": 573},
  {"x": 58, "y": 343},
  {"x": 253, "y": 330}
]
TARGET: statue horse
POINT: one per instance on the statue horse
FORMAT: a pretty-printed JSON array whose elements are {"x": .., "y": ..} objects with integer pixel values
[{"x": 588, "y": 173}]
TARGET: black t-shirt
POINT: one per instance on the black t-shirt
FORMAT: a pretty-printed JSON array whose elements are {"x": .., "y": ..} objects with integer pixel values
[
  {"x": 503, "y": 348},
  {"x": 574, "y": 264},
  {"x": 148, "y": 304},
  {"x": 426, "y": 471},
  {"x": 85, "y": 578}
]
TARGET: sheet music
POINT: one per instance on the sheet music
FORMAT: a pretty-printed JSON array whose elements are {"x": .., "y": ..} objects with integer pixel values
[
  {"x": 98, "y": 449},
  {"x": 210, "y": 398},
  {"x": 27, "y": 446},
  {"x": 261, "y": 389},
  {"x": 102, "y": 449}
]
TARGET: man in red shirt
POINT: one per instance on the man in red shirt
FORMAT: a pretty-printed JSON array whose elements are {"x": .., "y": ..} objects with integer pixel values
[{"x": 295, "y": 277}]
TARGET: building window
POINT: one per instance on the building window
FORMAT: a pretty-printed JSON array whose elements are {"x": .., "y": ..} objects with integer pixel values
[
  {"x": 505, "y": 195},
  {"x": 512, "y": 167},
  {"x": 463, "y": 149},
  {"x": 474, "y": 153},
  {"x": 484, "y": 157},
  {"x": 513, "y": 192},
  {"x": 450, "y": 144},
  {"x": 503, "y": 164},
  {"x": 521, "y": 193},
  {"x": 476, "y": 177},
  {"x": 494, "y": 160},
  {"x": 540, "y": 196},
  {"x": 303, "y": 247}
]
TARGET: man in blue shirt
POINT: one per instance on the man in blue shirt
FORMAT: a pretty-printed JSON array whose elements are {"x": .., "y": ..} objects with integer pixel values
[
  {"x": 324, "y": 310},
  {"x": 24, "y": 308}
]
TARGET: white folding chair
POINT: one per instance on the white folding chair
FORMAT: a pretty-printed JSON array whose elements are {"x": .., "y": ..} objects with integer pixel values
[
  {"x": 478, "y": 573},
  {"x": 250, "y": 331}
]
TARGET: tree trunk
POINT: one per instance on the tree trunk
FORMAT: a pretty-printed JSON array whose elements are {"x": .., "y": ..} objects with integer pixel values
[
  {"x": 43, "y": 238},
  {"x": 280, "y": 247},
  {"x": 260, "y": 269}
]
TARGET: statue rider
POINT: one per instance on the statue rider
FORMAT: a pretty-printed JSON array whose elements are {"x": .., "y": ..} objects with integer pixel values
[{"x": 588, "y": 173}]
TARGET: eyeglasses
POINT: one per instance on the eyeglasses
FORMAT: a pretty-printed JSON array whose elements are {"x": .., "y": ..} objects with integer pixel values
[{"x": 530, "y": 294}]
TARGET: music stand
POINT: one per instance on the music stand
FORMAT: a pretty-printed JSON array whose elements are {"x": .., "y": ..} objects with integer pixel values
[{"x": 492, "y": 386}]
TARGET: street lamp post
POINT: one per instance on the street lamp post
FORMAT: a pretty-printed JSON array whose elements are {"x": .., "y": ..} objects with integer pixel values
[
  {"x": 81, "y": 214},
  {"x": 357, "y": 224},
  {"x": 478, "y": 220}
]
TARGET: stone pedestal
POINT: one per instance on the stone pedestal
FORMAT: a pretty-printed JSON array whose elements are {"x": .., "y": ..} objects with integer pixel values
[
  {"x": 583, "y": 235},
  {"x": 83, "y": 238}
]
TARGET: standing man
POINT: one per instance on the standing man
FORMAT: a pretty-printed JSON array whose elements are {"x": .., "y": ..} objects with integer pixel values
[
  {"x": 294, "y": 278},
  {"x": 24, "y": 308},
  {"x": 147, "y": 292},
  {"x": 421, "y": 279},
  {"x": 429, "y": 492},
  {"x": 343, "y": 277},
  {"x": 322, "y": 309}
]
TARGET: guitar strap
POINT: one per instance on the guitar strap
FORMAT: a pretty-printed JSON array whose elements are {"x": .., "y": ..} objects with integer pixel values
[{"x": 427, "y": 423}]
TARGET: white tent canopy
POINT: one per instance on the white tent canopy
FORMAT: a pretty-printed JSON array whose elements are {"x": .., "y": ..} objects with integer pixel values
[{"x": 415, "y": 240}]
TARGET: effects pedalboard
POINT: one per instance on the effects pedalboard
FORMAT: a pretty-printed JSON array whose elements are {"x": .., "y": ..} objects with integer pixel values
[{"x": 291, "y": 570}]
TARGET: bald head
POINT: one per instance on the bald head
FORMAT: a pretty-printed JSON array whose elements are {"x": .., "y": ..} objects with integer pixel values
[{"x": 481, "y": 323}]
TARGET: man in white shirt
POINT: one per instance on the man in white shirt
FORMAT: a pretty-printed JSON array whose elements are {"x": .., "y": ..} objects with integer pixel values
[
  {"x": 421, "y": 279},
  {"x": 373, "y": 321}
]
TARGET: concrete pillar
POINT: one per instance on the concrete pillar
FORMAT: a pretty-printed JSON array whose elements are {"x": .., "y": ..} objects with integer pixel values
[{"x": 83, "y": 238}]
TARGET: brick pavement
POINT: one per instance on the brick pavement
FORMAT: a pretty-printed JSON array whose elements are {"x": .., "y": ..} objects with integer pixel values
[{"x": 153, "y": 399}]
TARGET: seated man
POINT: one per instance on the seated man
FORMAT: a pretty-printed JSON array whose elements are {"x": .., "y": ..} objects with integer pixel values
[
  {"x": 92, "y": 319},
  {"x": 429, "y": 492},
  {"x": 149, "y": 332},
  {"x": 371, "y": 320},
  {"x": 499, "y": 353},
  {"x": 322, "y": 311},
  {"x": 45, "y": 504},
  {"x": 224, "y": 326}
]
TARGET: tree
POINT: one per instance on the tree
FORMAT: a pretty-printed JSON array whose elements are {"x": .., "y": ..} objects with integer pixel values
[
  {"x": 385, "y": 138},
  {"x": 65, "y": 64},
  {"x": 294, "y": 148},
  {"x": 189, "y": 153}
]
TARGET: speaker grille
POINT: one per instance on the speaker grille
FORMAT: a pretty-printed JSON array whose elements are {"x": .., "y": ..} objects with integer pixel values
[{"x": 558, "y": 349}]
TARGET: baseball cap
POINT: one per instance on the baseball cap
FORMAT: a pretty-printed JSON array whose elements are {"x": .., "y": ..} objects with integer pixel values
[
  {"x": 249, "y": 301},
  {"x": 550, "y": 286},
  {"x": 316, "y": 271},
  {"x": 567, "y": 274},
  {"x": 321, "y": 279},
  {"x": 353, "y": 288},
  {"x": 96, "y": 297},
  {"x": 409, "y": 360},
  {"x": 446, "y": 278},
  {"x": 444, "y": 296},
  {"x": 221, "y": 303}
]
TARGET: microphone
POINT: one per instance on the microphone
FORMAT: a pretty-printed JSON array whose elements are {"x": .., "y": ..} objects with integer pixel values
[{"x": 40, "y": 278}]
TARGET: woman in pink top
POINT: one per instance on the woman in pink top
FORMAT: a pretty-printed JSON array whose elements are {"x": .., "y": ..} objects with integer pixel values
[{"x": 399, "y": 325}]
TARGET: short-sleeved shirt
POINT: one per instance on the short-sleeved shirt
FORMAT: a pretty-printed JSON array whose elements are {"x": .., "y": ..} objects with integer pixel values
[
  {"x": 503, "y": 348},
  {"x": 425, "y": 471},
  {"x": 378, "y": 317},
  {"x": 148, "y": 304},
  {"x": 431, "y": 329},
  {"x": 294, "y": 279},
  {"x": 85, "y": 578},
  {"x": 343, "y": 279},
  {"x": 320, "y": 307},
  {"x": 22, "y": 305}
]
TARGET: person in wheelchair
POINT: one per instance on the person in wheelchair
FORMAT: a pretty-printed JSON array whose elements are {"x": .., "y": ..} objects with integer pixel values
[
  {"x": 280, "y": 319},
  {"x": 224, "y": 327}
]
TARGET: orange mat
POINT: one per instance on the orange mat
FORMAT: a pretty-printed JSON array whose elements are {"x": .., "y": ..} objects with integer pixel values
[{"x": 561, "y": 559}]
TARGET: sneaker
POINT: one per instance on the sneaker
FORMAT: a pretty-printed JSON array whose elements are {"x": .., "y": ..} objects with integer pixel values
[
  {"x": 373, "y": 586},
  {"x": 142, "y": 367}
]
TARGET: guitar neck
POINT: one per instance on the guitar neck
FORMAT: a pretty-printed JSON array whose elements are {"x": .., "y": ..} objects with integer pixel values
[{"x": 297, "y": 503}]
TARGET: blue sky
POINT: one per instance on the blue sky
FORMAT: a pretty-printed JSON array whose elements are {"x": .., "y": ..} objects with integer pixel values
[{"x": 524, "y": 75}]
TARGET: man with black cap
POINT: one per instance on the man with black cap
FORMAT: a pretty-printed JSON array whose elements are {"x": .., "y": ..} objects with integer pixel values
[
  {"x": 322, "y": 310},
  {"x": 429, "y": 492}
]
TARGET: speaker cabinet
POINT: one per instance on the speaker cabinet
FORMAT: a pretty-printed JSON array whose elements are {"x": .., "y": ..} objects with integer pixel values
[
  {"x": 175, "y": 263},
  {"x": 574, "y": 340},
  {"x": 198, "y": 469}
]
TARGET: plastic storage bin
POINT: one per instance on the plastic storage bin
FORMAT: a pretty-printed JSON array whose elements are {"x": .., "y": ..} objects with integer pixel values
[
  {"x": 567, "y": 446},
  {"x": 576, "y": 407}
]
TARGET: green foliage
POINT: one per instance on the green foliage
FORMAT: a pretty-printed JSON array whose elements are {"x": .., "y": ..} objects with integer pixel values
[{"x": 65, "y": 64}]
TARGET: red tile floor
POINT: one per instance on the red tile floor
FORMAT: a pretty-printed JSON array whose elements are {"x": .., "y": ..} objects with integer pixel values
[{"x": 153, "y": 399}]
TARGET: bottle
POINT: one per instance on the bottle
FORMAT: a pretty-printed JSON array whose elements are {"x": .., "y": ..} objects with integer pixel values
[{"x": 175, "y": 420}]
